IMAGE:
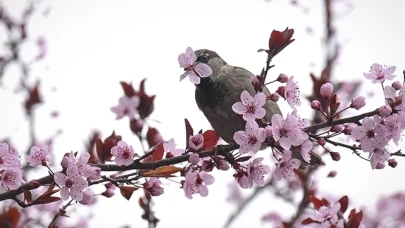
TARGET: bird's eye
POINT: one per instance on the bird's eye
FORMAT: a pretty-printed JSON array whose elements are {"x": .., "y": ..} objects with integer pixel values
[{"x": 202, "y": 58}]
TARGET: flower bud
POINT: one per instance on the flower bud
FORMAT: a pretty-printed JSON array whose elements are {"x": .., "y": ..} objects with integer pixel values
[
  {"x": 258, "y": 83},
  {"x": 397, "y": 85},
  {"x": 222, "y": 164},
  {"x": 392, "y": 162},
  {"x": 87, "y": 198},
  {"x": 321, "y": 141},
  {"x": 136, "y": 125},
  {"x": 384, "y": 110},
  {"x": 269, "y": 133},
  {"x": 349, "y": 128},
  {"x": 337, "y": 128},
  {"x": 274, "y": 97},
  {"x": 335, "y": 156},
  {"x": 358, "y": 102},
  {"x": 332, "y": 173},
  {"x": 283, "y": 78},
  {"x": 194, "y": 158},
  {"x": 379, "y": 166},
  {"x": 207, "y": 165},
  {"x": 326, "y": 90},
  {"x": 281, "y": 91},
  {"x": 316, "y": 105}
]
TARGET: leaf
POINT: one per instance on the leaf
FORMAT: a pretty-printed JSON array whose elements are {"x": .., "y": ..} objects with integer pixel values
[
  {"x": 210, "y": 139},
  {"x": 126, "y": 191},
  {"x": 334, "y": 104},
  {"x": 164, "y": 171},
  {"x": 318, "y": 203},
  {"x": 99, "y": 150},
  {"x": 10, "y": 217},
  {"x": 308, "y": 221},
  {"x": 189, "y": 131},
  {"x": 155, "y": 154},
  {"x": 153, "y": 137},
  {"x": 128, "y": 89},
  {"x": 27, "y": 196},
  {"x": 33, "y": 98},
  {"x": 47, "y": 197},
  {"x": 355, "y": 219},
  {"x": 344, "y": 202}
]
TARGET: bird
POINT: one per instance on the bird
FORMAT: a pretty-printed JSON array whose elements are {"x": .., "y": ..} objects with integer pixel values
[{"x": 216, "y": 94}]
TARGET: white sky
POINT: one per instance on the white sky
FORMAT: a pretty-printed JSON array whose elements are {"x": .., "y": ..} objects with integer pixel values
[{"x": 95, "y": 44}]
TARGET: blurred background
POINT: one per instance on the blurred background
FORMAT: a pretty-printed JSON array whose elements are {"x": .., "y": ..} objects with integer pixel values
[{"x": 93, "y": 45}]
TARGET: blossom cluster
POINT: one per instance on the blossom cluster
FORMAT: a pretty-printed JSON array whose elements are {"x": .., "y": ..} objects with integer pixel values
[{"x": 10, "y": 168}]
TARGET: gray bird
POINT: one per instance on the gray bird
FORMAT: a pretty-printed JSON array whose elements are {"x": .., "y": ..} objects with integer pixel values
[{"x": 216, "y": 94}]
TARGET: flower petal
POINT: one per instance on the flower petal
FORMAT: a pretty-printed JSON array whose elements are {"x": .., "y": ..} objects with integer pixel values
[
  {"x": 203, "y": 70},
  {"x": 246, "y": 98}
]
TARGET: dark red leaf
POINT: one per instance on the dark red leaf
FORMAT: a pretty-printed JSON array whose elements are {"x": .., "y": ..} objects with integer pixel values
[
  {"x": 136, "y": 126},
  {"x": 355, "y": 219},
  {"x": 99, "y": 150},
  {"x": 146, "y": 105},
  {"x": 45, "y": 200},
  {"x": 126, "y": 191},
  {"x": 279, "y": 40},
  {"x": 91, "y": 145},
  {"x": 344, "y": 203},
  {"x": 10, "y": 217},
  {"x": 308, "y": 221},
  {"x": 153, "y": 137},
  {"x": 128, "y": 89},
  {"x": 155, "y": 154},
  {"x": 27, "y": 196},
  {"x": 33, "y": 98},
  {"x": 318, "y": 203},
  {"x": 189, "y": 131},
  {"x": 210, "y": 139}
]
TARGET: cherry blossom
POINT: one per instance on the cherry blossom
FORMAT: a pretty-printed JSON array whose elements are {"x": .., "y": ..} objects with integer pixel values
[
  {"x": 11, "y": 178},
  {"x": 124, "y": 154},
  {"x": 72, "y": 184},
  {"x": 242, "y": 179},
  {"x": 197, "y": 183},
  {"x": 196, "y": 142},
  {"x": 256, "y": 171},
  {"x": 285, "y": 167},
  {"x": 87, "y": 198},
  {"x": 305, "y": 148},
  {"x": 380, "y": 73},
  {"x": 153, "y": 186},
  {"x": 292, "y": 93},
  {"x": 288, "y": 132},
  {"x": 378, "y": 158},
  {"x": 194, "y": 70},
  {"x": 326, "y": 213},
  {"x": 251, "y": 107},
  {"x": 127, "y": 106},
  {"x": 371, "y": 134},
  {"x": 38, "y": 156},
  {"x": 8, "y": 157},
  {"x": 251, "y": 139},
  {"x": 171, "y": 150}
]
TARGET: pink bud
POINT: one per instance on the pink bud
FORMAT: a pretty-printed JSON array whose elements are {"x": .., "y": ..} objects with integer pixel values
[
  {"x": 337, "y": 128},
  {"x": 332, "y": 173},
  {"x": 316, "y": 105},
  {"x": 65, "y": 162},
  {"x": 358, "y": 102},
  {"x": 326, "y": 90},
  {"x": 34, "y": 183},
  {"x": 207, "y": 165},
  {"x": 283, "y": 78},
  {"x": 281, "y": 91},
  {"x": 379, "y": 166},
  {"x": 385, "y": 110},
  {"x": 222, "y": 164},
  {"x": 194, "y": 158},
  {"x": 397, "y": 85},
  {"x": 321, "y": 141},
  {"x": 274, "y": 97},
  {"x": 258, "y": 83},
  {"x": 87, "y": 198},
  {"x": 349, "y": 128},
  {"x": 335, "y": 156},
  {"x": 392, "y": 162}
]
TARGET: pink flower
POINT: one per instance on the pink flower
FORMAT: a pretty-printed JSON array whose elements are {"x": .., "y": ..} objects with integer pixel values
[
  {"x": 194, "y": 70},
  {"x": 170, "y": 147},
  {"x": 291, "y": 93},
  {"x": 326, "y": 213},
  {"x": 38, "y": 156},
  {"x": 10, "y": 178},
  {"x": 326, "y": 90},
  {"x": 379, "y": 73},
  {"x": 288, "y": 132},
  {"x": 256, "y": 172},
  {"x": 371, "y": 134},
  {"x": 72, "y": 184},
  {"x": 305, "y": 148},
  {"x": 251, "y": 139},
  {"x": 394, "y": 126},
  {"x": 196, "y": 142},
  {"x": 378, "y": 158},
  {"x": 242, "y": 179},
  {"x": 153, "y": 186},
  {"x": 8, "y": 158},
  {"x": 127, "y": 106},
  {"x": 194, "y": 158},
  {"x": 251, "y": 108},
  {"x": 124, "y": 154},
  {"x": 197, "y": 183},
  {"x": 384, "y": 110},
  {"x": 87, "y": 198},
  {"x": 285, "y": 167}
]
